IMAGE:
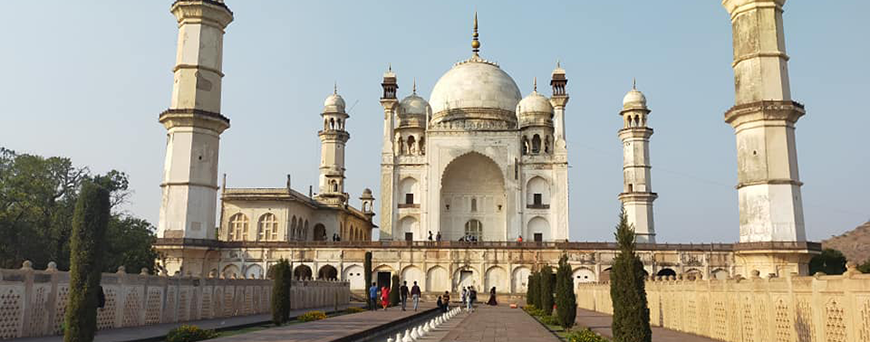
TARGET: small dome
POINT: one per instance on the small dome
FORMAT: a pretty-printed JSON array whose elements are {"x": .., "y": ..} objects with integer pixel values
[
  {"x": 367, "y": 191},
  {"x": 414, "y": 105},
  {"x": 634, "y": 97},
  {"x": 333, "y": 104},
  {"x": 535, "y": 103}
]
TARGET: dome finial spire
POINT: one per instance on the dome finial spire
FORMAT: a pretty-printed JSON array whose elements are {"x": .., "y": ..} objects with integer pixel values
[
  {"x": 475, "y": 44},
  {"x": 536, "y": 84},
  {"x": 633, "y": 83},
  {"x": 335, "y": 87},
  {"x": 414, "y": 87}
]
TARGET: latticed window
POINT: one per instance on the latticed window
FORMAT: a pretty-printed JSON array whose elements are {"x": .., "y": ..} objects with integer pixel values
[
  {"x": 268, "y": 227},
  {"x": 473, "y": 228},
  {"x": 238, "y": 227}
]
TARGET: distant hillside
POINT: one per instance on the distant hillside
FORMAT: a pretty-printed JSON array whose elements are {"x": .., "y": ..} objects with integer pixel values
[{"x": 855, "y": 244}]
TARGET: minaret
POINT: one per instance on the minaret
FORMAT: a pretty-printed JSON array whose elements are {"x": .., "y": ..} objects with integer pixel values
[
  {"x": 390, "y": 104},
  {"x": 637, "y": 196},
  {"x": 333, "y": 139},
  {"x": 194, "y": 122},
  {"x": 559, "y": 99},
  {"x": 764, "y": 115}
]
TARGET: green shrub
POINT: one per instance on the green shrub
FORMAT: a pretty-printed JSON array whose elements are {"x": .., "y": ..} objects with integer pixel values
[
  {"x": 282, "y": 277},
  {"x": 566, "y": 302},
  {"x": 367, "y": 273},
  {"x": 312, "y": 316},
  {"x": 627, "y": 289},
  {"x": 189, "y": 333},
  {"x": 532, "y": 297},
  {"x": 394, "y": 291},
  {"x": 584, "y": 335},
  {"x": 87, "y": 243},
  {"x": 549, "y": 319},
  {"x": 354, "y": 309},
  {"x": 546, "y": 287}
]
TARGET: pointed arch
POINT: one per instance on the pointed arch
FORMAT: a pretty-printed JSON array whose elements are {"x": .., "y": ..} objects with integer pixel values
[
  {"x": 267, "y": 227},
  {"x": 536, "y": 144},
  {"x": 238, "y": 228}
]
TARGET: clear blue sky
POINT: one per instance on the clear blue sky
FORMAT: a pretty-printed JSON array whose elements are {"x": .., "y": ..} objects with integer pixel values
[{"x": 87, "y": 79}]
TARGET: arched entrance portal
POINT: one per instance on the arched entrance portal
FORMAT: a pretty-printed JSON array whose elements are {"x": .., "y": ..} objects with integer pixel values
[
  {"x": 472, "y": 188},
  {"x": 302, "y": 272},
  {"x": 327, "y": 272}
]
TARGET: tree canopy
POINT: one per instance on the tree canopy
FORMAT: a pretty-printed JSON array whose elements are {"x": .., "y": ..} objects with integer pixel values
[
  {"x": 37, "y": 201},
  {"x": 830, "y": 261}
]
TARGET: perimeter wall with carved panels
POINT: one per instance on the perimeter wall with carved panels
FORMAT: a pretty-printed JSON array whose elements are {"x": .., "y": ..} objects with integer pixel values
[
  {"x": 805, "y": 309},
  {"x": 33, "y": 303}
]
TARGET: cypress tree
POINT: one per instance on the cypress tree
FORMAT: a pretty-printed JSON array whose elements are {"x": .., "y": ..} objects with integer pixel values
[
  {"x": 367, "y": 271},
  {"x": 281, "y": 279},
  {"x": 532, "y": 289},
  {"x": 566, "y": 302},
  {"x": 87, "y": 243},
  {"x": 546, "y": 287},
  {"x": 627, "y": 289},
  {"x": 394, "y": 290}
]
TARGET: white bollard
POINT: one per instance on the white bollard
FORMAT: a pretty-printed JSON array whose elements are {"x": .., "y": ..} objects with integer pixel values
[
  {"x": 426, "y": 328},
  {"x": 414, "y": 334},
  {"x": 407, "y": 337},
  {"x": 398, "y": 337},
  {"x": 390, "y": 339}
]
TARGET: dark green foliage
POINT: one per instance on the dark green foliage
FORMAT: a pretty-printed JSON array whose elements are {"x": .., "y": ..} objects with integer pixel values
[
  {"x": 584, "y": 335},
  {"x": 282, "y": 277},
  {"x": 830, "y": 261},
  {"x": 367, "y": 271},
  {"x": 865, "y": 267},
  {"x": 394, "y": 290},
  {"x": 566, "y": 302},
  {"x": 189, "y": 333},
  {"x": 549, "y": 319},
  {"x": 627, "y": 289},
  {"x": 532, "y": 297},
  {"x": 86, "y": 248},
  {"x": 546, "y": 287},
  {"x": 37, "y": 200}
]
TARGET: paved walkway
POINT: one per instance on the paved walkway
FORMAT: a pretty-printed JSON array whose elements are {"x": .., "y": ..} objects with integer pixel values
[
  {"x": 497, "y": 324},
  {"x": 330, "y": 329},
  {"x": 157, "y": 331},
  {"x": 601, "y": 323}
]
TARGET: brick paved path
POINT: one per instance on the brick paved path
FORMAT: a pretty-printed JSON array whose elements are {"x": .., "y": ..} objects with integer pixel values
[
  {"x": 498, "y": 324},
  {"x": 601, "y": 323}
]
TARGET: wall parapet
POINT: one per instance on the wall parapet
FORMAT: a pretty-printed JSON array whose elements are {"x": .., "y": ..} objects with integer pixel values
[
  {"x": 793, "y": 308},
  {"x": 33, "y": 302}
]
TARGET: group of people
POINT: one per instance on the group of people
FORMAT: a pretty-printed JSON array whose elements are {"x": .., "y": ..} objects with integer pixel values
[
  {"x": 336, "y": 237},
  {"x": 384, "y": 294},
  {"x": 437, "y": 237},
  {"x": 381, "y": 296}
]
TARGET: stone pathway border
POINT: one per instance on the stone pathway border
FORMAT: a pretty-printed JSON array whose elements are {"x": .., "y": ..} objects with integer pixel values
[{"x": 158, "y": 331}]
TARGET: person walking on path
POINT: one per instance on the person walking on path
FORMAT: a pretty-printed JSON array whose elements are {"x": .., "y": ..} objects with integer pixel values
[
  {"x": 464, "y": 298},
  {"x": 415, "y": 295},
  {"x": 472, "y": 294},
  {"x": 492, "y": 300},
  {"x": 373, "y": 297},
  {"x": 403, "y": 294},
  {"x": 385, "y": 297}
]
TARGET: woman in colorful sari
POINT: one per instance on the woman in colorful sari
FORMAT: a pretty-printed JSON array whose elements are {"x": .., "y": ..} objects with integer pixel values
[{"x": 385, "y": 297}]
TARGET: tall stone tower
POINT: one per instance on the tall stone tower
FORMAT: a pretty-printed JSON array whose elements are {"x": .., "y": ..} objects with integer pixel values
[
  {"x": 194, "y": 122},
  {"x": 763, "y": 118},
  {"x": 390, "y": 104},
  {"x": 637, "y": 196},
  {"x": 333, "y": 140}
]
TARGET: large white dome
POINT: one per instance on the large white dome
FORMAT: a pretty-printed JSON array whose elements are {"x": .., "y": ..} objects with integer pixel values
[{"x": 475, "y": 83}]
